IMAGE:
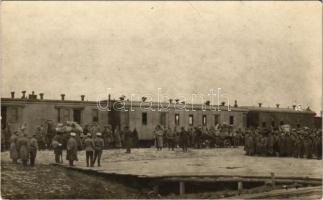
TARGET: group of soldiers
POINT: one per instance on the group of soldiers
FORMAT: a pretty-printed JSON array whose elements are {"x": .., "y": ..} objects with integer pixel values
[
  {"x": 222, "y": 135},
  {"x": 23, "y": 147},
  {"x": 298, "y": 143}
]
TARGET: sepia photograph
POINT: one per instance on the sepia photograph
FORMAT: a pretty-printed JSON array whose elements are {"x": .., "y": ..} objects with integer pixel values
[{"x": 161, "y": 99}]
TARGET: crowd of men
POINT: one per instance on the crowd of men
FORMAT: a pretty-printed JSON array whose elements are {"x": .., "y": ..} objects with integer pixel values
[
  {"x": 298, "y": 143},
  {"x": 198, "y": 137},
  {"x": 23, "y": 147}
]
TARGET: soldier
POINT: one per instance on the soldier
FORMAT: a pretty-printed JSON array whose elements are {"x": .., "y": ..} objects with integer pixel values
[
  {"x": 40, "y": 137},
  {"x": 117, "y": 138},
  {"x": 71, "y": 155},
  {"x": 57, "y": 145},
  {"x": 170, "y": 135},
  {"x": 308, "y": 145},
  {"x": 33, "y": 146},
  {"x": 108, "y": 136},
  {"x": 289, "y": 145},
  {"x": 23, "y": 147},
  {"x": 89, "y": 148},
  {"x": 98, "y": 148},
  {"x": 158, "y": 132},
  {"x": 128, "y": 137},
  {"x": 282, "y": 145},
  {"x": 319, "y": 145},
  {"x": 184, "y": 139},
  {"x": 13, "y": 147},
  {"x": 270, "y": 144},
  {"x": 198, "y": 137}
]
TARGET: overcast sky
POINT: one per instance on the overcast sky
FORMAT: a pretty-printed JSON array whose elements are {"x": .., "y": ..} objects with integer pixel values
[{"x": 269, "y": 52}]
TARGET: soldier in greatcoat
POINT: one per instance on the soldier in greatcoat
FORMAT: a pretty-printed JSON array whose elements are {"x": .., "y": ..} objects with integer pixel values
[
  {"x": 33, "y": 147},
  {"x": 89, "y": 149},
  {"x": 98, "y": 148},
  {"x": 128, "y": 138},
  {"x": 13, "y": 147},
  {"x": 71, "y": 148},
  {"x": 23, "y": 148}
]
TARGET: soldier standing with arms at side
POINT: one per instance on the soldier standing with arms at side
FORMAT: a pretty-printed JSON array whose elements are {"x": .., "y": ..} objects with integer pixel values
[
  {"x": 33, "y": 146},
  {"x": 98, "y": 147},
  {"x": 89, "y": 148},
  {"x": 127, "y": 139},
  {"x": 23, "y": 147},
  {"x": 13, "y": 147},
  {"x": 71, "y": 147}
]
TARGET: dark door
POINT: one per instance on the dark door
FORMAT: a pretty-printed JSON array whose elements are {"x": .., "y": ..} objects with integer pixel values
[
  {"x": 77, "y": 116},
  {"x": 3, "y": 117}
]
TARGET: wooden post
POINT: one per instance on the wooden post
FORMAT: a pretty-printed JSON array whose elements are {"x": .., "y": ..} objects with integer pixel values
[
  {"x": 272, "y": 174},
  {"x": 181, "y": 188},
  {"x": 156, "y": 188},
  {"x": 240, "y": 187}
]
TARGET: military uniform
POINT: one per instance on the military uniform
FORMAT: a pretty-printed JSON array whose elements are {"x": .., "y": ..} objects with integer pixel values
[
  {"x": 23, "y": 149},
  {"x": 71, "y": 147},
  {"x": 89, "y": 149},
  {"x": 98, "y": 148},
  {"x": 33, "y": 146}
]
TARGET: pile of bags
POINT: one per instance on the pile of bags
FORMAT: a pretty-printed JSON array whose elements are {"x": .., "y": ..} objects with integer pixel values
[{"x": 69, "y": 126}]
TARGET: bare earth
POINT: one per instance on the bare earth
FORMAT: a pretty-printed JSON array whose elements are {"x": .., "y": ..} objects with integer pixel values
[{"x": 212, "y": 162}]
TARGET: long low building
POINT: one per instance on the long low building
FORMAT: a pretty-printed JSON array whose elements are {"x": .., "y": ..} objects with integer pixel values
[{"x": 34, "y": 111}]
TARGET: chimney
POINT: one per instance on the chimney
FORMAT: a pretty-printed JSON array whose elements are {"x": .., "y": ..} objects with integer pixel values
[
  {"x": 41, "y": 95},
  {"x": 63, "y": 97},
  {"x": 170, "y": 100},
  {"x": 277, "y": 105},
  {"x": 12, "y": 94},
  {"x": 32, "y": 95},
  {"x": 223, "y": 103},
  {"x": 23, "y": 94},
  {"x": 82, "y": 97},
  {"x": 294, "y": 107},
  {"x": 259, "y": 105},
  {"x": 235, "y": 103}
]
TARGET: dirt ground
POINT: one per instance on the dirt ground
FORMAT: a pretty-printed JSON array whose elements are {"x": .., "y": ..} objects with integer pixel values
[
  {"x": 49, "y": 182},
  {"x": 46, "y": 181}
]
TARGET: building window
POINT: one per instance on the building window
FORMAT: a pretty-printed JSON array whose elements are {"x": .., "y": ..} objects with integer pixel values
[
  {"x": 13, "y": 114},
  {"x": 144, "y": 118},
  {"x": 77, "y": 115},
  {"x": 63, "y": 115},
  {"x": 263, "y": 124},
  {"x": 231, "y": 120},
  {"x": 190, "y": 120},
  {"x": 162, "y": 119},
  {"x": 95, "y": 115},
  {"x": 204, "y": 120},
  {"x": 177, "y": 119},
  {"x": 216, "y": 120},
  {"x": 273, "y": 124}
]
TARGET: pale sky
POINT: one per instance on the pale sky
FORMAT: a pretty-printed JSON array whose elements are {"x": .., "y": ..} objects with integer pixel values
[{"x": 269, "y": 52}]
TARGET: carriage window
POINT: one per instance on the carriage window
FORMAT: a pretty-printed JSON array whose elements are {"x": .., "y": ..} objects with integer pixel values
[
  {"x": 144, "y": 118},
  {"x": 95, "y": 115},
  {"x": 190, "y": 120},
  {"x": 216, "y": 119},
  {"x": 281, "y": 122},
  {"x": 273, "y": 124},
  {"x": 204, "y": 120},
  {"x": 231, "y": 120},
  {"x": 263, "y": 124},
  {"x": 13, "y": 115},
  {"x": 176, "y": 119}
]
